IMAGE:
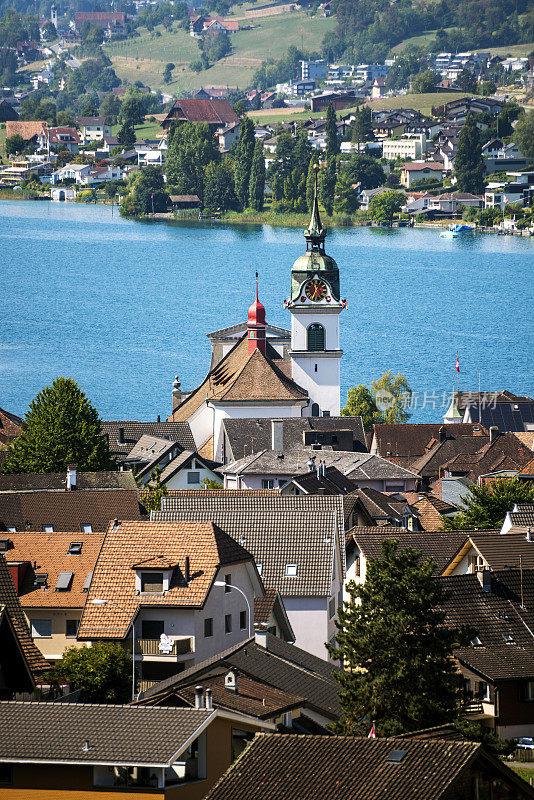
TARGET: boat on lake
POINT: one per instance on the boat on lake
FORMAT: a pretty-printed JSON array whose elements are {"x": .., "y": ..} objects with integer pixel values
[{"x": 454, "y": 231}]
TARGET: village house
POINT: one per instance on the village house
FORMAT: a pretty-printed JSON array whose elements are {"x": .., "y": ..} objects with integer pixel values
[
  {"x": 215, "y": 112},
  {"x": 265, "y": 677},
  {"x": 92, "y": 129},
  {"x": 404, "y": 444},
  {"x": 409, "y": 146},
  {"x": 187, "y": 588},
  {"x": 368, "y": 508},
  {"x": 118, "y": 751},
  {"x": 520, "y": 519},
  {"x": 123, "y": 435},
  {"x": 112, "y": 22},
  {"x": 451, "y": 203},
  {"x": 485, "y": 550},
  {"x": 504, "y": 410},
  {"x": 417, "y": 172},
  {"x": 179, "y": 469},
  {"x": 72, "y": 501},
  {"x": 277, "y": 766},
  {"x": 52, "y": 574},
  {"x": 297, "y": 544}
]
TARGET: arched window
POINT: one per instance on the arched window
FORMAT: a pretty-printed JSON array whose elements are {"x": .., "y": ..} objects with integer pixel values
[
  {"x": 315, "y": 410},
  {"x": 316, "y": 337}
]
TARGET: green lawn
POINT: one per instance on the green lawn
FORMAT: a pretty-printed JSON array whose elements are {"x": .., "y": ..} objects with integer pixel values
[
  {"x": 144, "y": 57},
  {"x": 515, "y": 50}
]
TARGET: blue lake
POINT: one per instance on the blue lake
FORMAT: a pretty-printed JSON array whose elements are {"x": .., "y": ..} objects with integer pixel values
[{"x": 123, "y": 306}]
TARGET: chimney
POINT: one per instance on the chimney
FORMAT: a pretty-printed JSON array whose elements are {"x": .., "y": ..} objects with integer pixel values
[
  {"x": 71, "y": 478},
  {"x": 277, "y": 435},
  {"x": 260, "y": 637},
  {"x": 177, "y": 395},
  {"x": 493, "y": 433},
  {"x": 209, "y": 700},
  {"x": 159, "y": 418},
  {"x": 529, "y": 535},
  {"x": 187, "y": 570},
  {"x": 120, "y": 436},
  {"x": 442, "y": 434},
  {"x": 484, "y": 578},
  {"x": 230, "y": 681},
  {"x": 198, "y": 696}
]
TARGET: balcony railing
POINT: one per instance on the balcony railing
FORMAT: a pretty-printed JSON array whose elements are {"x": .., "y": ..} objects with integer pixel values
[{"x": 151, "y": 647}]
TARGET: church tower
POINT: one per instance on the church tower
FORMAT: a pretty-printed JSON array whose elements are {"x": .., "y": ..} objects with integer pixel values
[{"x": 315, "y": 305}]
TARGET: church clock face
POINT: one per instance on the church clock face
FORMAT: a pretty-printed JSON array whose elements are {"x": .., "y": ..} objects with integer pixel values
[{"x": 316, "y": 290}]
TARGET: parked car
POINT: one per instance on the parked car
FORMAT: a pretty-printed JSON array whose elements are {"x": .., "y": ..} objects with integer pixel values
[{"x": 525, "y": 743}]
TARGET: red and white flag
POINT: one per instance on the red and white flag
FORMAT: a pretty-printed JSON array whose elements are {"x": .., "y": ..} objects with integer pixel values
[
  {"x": 457, "y": 363},
  {"x": 372, "y": 733}
]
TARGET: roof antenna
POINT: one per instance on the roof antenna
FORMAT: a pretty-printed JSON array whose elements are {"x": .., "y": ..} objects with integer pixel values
[{"x": 257, "y": 284}]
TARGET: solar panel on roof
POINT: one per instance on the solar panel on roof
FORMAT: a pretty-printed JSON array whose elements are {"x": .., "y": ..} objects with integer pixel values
[{"x": 63, "y": 582}]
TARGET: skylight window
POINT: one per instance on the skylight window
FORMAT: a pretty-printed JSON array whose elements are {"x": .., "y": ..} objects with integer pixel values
[
  {"x": 396, "y": 756},
  {"x": 291, "y": 570},
  {"x": 64, "y": 581},
  {"x": 260, "y": 568},
  {"x": 75, "y": 548},
  {"x": 508, "y": 638},
  {"x": 476, "y": 642},
  {"x": 41, "y": 578}
]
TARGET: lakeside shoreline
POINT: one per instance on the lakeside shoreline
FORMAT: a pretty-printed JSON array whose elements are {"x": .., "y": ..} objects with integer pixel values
[{"x": 276, "y": 220}]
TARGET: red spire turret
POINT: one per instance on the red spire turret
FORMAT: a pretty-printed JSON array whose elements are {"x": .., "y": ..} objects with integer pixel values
[{"x": 256, "y": 324}]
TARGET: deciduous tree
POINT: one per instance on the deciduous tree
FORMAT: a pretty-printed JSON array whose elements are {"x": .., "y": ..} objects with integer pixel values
[
  {"x": 60, "y": 428},
  {"x": 485, "y": 507},
  {"x": 219, "y": 190},
  {"x": 103, "y": 671},
  {"x": 524, "y": 134},
  {"x": 383, "y": 207},
  {"x": 360, "y": 403},
  {"x": 399, "y": 673},
  {"x": 191, "y": 148}
]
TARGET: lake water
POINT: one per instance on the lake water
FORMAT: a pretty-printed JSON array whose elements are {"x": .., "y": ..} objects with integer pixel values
[{"x": 123, "y": 306}]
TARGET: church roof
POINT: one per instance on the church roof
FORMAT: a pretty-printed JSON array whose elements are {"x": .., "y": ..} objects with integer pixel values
[{"x": 240, "y": 376}]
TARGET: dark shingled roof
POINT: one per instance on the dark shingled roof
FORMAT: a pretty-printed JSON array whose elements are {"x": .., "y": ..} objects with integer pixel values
[
  {"x": 9, "y": 599},
  {"x": 57, "y": 481},
  {"x": 115, "y": 734},
  {"x": 495, "y": 614},
  {"x": 277, "y": 538},
  {"x": 502, "y": 552},
  {"x": 245, "y": 436},
  {"x": 441, "y": 547},
  {"x": 289, "y": 767},
  {"x": 133, "y": 430},
  {"x": 280, "y": 665},
  {"x": 404, "y": 444},
  {"x": 10, "y": 424}
]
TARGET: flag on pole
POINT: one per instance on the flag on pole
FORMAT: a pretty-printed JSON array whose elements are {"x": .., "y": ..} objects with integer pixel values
[
  {"x": 457, "y": 363},
  {"x": 372, "y": 733}
]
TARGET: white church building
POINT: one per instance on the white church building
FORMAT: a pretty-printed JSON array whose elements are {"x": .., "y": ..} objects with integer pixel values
[{"x": 259, "y": 370}]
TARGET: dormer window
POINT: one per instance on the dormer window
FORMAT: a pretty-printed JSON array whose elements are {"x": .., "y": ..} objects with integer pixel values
[{"x": 152, "y": 582}]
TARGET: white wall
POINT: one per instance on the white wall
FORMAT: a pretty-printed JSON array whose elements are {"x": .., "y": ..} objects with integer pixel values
[
  {"x": 309, "y": 619},
  {"x": 179, "y": 480},
  {"x": 317, "y": 372},
  {"x": 246, "y": 412}
]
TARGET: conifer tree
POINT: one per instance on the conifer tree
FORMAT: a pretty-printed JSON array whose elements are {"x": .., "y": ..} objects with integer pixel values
[
  {"x": 332, "y": 140},
  {"x": 399, "y": 671},
  {"x": 243, "y": 161},
  {"x": 257, "y": 178},
  {"x": 60, "y": 428},
  {"x": 469, "y": 162},
  {"x": 327, "y": 185},
  {"x": 345, "y": 197},
  {"x": 126, "y": 135}
]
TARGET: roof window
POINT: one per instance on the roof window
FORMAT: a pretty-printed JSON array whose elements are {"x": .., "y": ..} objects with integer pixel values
[
  {"x": 476, "y": 642},
  {"x": 87, "y": 582},
  {"x": 41, "y": 578},
  {"x": 87, "y": 528},
  {"x": 259, "y": 568},
  {"x": 5, "y": 544},
  {"x": 64, "y": 581},
  {"x": 291, "y": 570},
  {"x": 508, "y": 638},
  {"x": 75, "y": 548},
  {"x": 396, "y": 756}
]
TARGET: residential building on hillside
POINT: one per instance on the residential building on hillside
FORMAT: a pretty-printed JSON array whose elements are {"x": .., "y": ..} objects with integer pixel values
[
  {"x": 216, "y": 112},
  {"x": 313, "y": 70},
  {"x": 161, "y": 579},
  {"x": 275, "y": 767},
  {"x": 110, "y": 750},
  {"x": 52, "y": 574},
  {"x": 73, "y": 501},
  {"x": 417, "y": 172},
  {"x": 266, "y": 666},
  {"x": 93, "y": 129},
  {"x": 297, "y": 544},
  {"x": 410, "y": 146}
]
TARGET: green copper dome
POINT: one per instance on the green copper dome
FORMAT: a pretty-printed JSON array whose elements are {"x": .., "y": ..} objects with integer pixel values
[{"x": 314, "y": 260}]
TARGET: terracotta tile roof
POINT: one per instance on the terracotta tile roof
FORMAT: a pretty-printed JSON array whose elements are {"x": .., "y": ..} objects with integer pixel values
[
  {"x": 55, "y": 133},
  {"x": 263, "y": 606},
  {"x": 25, "y": 129},
  {"x": 10, "y": 426},
  {"x": 9, "y": 599},
  {"x": 528, "y": 469},
  {"x": 416, "y": 166},
  {"x": 115, "y": 734},
  {"x": 130, "y": 543},
  {"x": 275, "y": 539},
  {"x": 280, "y": 665},
  {"x": 431, "y": 512},
  {"x": 379, "y": 506},
  {"x": 49, "y": 554},
  {"x": 132, "y": 431},
  {"x": 289, "y": 767},
  {"x": 242, "y": 376},
  {"x": 195, "y": 109},
  {"x": 526, "y": 438}
]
